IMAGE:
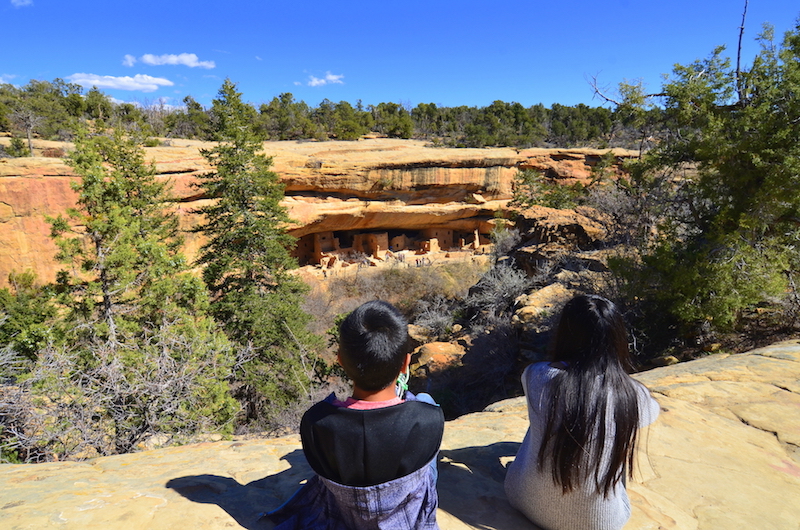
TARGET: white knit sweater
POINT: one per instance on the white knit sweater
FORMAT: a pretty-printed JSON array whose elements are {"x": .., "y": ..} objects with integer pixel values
[{"x": 536, "y": 495}]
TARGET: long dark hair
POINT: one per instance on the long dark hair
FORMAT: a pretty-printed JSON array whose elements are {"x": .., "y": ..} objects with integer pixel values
[{"x": 592, "y": 342}]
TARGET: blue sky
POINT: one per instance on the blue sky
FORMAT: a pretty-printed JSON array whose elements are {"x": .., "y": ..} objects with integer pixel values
[{"x": 444, "y": 52}]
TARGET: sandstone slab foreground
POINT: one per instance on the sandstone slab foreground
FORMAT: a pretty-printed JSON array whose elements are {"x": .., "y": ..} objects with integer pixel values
[{"x": 722, "y": 455}]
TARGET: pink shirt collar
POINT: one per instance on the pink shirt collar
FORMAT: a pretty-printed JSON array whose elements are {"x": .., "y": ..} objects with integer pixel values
[{"x": 359, "y": 404}]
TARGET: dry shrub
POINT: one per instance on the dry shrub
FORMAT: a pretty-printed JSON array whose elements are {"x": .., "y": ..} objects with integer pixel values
[
  {"x": 399, "y": 284},
  {"x": 169, "y": 387},
  {"x": 436, "y": 316},
  {"x": 492, "y": 298},
  {"x": 54, "y": 152}
]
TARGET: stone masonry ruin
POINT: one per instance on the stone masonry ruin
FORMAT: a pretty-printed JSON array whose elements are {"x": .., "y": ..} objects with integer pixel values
[{"x": 332, "y": 249}]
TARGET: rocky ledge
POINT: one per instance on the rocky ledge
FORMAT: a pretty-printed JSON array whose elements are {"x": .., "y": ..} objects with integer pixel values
[{"x": 722, "y": 455}]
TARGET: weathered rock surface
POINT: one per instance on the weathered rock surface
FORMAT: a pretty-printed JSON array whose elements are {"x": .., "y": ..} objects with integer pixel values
[
  {"x": 375, "y": 184},
  {"x": 436, "y": 356},
  {"x": 722, "y": 455},
  {"x": 548, "y": 235}
]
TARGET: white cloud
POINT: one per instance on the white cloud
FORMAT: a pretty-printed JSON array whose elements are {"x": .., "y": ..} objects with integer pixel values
[
  {"x": 259, "y": 58},
  {"x": 128, "y": 60},
  {"x": 21, "y": 3},
  {"x": 143, "y": 83},
  {"x": 328, "y": 79},
  {"x": 6, "y": 78},
  {"x": 186, "y": 59}
]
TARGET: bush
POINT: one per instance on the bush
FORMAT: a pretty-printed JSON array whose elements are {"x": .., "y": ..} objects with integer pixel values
[
  {"x": 401, "y": 285},
  {"x": 492, "y": 298},
  {"x": 27, "y": 313},
  {"x": 53, "y": 152},
  {"x": 531, "y": 188},
  {"x": 722, "y": 191},
  {"x": 12, "y": 363},
  {"x": 17, "y": 148},
  {"x": 436, "y": 316},
  {"x": 102, "y": 398},
  {"x": 504, "y": 240}
]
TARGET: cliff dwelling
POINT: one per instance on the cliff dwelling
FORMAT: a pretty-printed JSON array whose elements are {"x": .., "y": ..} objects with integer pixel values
[
  {"x": 334, "y": 249},
  {"x": 429, "y": 202}
]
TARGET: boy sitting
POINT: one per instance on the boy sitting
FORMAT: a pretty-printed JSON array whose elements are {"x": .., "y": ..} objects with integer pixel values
[{"x": 375, "y": 454}]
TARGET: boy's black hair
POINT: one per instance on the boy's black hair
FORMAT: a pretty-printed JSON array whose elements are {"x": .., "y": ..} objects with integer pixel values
[{"x": 373, "y": 342}]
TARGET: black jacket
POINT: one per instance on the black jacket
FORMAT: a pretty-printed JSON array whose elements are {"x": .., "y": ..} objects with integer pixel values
[{"x": 368, "y": 447}]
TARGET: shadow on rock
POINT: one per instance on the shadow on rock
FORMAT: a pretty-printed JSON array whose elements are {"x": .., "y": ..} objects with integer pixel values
[
  {"x": 488, "y": 372},
  {"x": 246, "y": 503},
  {"x": 471, "y": 487}
]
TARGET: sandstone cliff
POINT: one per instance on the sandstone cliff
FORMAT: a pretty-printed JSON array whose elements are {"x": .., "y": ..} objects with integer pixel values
[
  {"x": 376, "y": 184},
  {"x": 722, "y": 455}
]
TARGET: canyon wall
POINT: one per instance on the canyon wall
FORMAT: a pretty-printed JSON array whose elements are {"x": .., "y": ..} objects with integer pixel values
[{"x": 401, "y": 187}]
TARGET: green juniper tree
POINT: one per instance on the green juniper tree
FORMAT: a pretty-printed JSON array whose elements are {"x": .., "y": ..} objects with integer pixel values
[
  {"x": 26, "y": 313},
  {"x": 286, "y": 119},
  {"x": 191, "y": 122},
  {"x": 47, "y": 109},
  {"x": 393, "y": 120},
  {"x": 247, "y": 261},
  {"x": 138, "y": 355},
  {"x": 121, "y": 242},
  {"x": 351, "y": 123},
  {"x": 724, "y": 186}
]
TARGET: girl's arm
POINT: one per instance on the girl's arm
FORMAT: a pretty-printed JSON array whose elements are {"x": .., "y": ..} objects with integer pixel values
[{"x": 648, "y": 406}]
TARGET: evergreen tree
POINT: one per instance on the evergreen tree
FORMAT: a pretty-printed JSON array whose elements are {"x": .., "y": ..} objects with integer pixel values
[
  {"x": 725, "y": 185},
  {"x": 26, "y": 314},
  {"x": 286, "y": 119},
  {"x": 427, "y": 119},
  {"x": 139, "y": 354},
  {"x": 503, "y": 124},
  {"x": 393, "y": 120},
  {"x": 43, "y": 108},
  {"x": 191, "y": 122},
  {"x": 129, "y": 117},
  {"x": 8, "y": 93},
  {"x": 247, "y": 261},
  {"x": 351, "y": 123},
  {"x": 98, "y": 105},
  {"x": 325, "y": 116},
  {"x": 121, "y": 242}
]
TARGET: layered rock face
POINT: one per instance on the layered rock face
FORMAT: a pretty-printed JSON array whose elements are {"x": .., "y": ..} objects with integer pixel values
[
  {"x": 723, "y": 454},
  {"x": 342, "y": 189}
]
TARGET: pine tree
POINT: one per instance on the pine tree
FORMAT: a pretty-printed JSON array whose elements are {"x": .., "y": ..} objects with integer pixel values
[
  {"x": 247, "y": 259},
  {"x": 139, "y": 349}
]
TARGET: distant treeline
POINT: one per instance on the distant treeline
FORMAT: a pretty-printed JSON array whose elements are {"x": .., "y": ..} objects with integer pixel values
[{"x": 48, "y": 109}]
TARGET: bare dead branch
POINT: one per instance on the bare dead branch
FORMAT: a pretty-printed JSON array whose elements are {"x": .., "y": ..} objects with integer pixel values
[
  {"x": 604, "y": 96},
  {"x": 739, "y": 84},
  {"x": 600, "y": 93}
]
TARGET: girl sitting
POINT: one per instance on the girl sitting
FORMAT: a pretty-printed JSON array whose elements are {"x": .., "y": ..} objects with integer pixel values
[{"x": 584, "y": 411}]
